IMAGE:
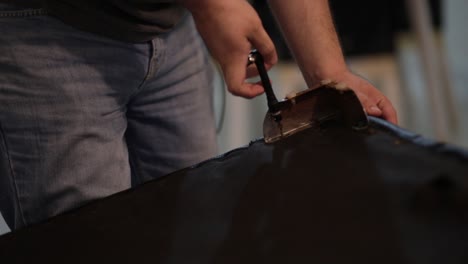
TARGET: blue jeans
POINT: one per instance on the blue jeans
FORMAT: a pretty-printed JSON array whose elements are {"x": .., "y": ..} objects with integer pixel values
[{"x": 83, "y": 116}]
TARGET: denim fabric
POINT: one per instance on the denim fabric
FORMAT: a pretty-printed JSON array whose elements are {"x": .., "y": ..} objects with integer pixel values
[{"x": 83, "y": 116}]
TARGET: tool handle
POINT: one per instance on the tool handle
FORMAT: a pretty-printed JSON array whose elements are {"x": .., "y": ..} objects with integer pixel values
[{"x": 257, "y": 58}]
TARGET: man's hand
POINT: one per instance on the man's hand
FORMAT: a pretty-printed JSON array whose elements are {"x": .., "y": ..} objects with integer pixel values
[
  {"x": 373, "y": 101},
  {"x": 230, "y": 29},
  {"x": 308, "y": 28}
]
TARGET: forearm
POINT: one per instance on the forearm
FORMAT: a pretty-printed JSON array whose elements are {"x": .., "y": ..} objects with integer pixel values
[
  {"x": 230, "y": 28},
  {"x": 310, "y": 33}
]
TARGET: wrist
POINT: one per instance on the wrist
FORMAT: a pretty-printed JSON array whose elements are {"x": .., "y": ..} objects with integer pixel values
[{"x": 313, "y": 76}]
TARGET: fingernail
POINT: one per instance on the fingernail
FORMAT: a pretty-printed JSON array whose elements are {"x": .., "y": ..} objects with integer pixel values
[{"x": 375, "y": 110}]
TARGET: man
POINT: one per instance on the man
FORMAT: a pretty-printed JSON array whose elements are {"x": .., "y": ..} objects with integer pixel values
[{"x": 99, "y": 96}]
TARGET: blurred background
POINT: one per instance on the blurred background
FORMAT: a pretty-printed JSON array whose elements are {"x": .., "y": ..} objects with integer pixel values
[{"x": 412, "y": 50}]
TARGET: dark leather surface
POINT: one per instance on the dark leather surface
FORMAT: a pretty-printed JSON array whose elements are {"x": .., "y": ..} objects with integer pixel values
[
  {"x": 325, "y": 195},
  {"x": 23, "y": 3}
]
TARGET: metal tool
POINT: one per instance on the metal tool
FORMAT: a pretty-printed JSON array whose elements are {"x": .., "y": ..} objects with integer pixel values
[{"x": 311, "y": 107}]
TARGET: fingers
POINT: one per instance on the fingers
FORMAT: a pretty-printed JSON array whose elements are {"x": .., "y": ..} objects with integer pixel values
[
  {"x": 373, "y": 101},
  {"x": 235, "y": 75},
  {"x": 262, "y": 42},
  {"x": 376, "y": 104},
  {"x": 388, "y": 111},
  {"x": 264, "y": 45},
  {"x": 381, "y": 108},
  {"x": 236, "y": 71},
  {"x": 368, "y": 99},
  {"x": 373, "y": 110}
]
